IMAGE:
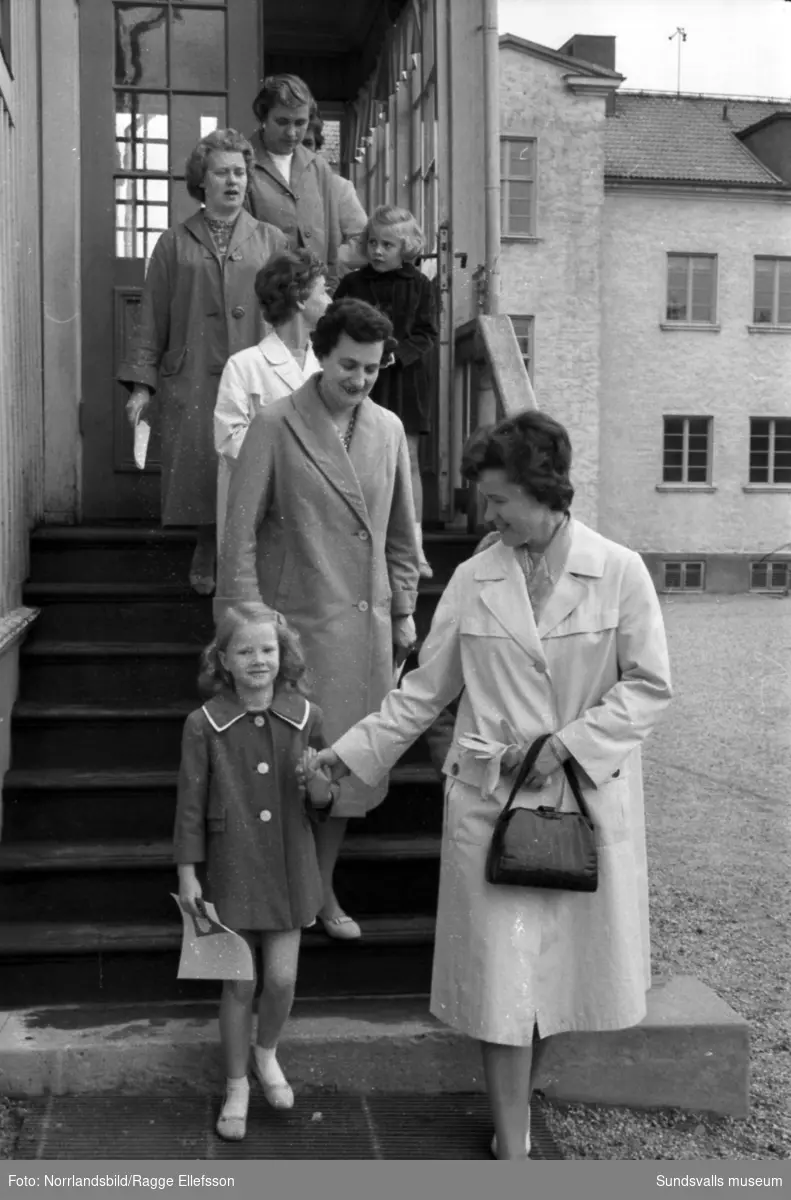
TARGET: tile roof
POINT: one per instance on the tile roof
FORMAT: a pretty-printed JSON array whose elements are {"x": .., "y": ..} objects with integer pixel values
[{"x": 686, "y": 139}]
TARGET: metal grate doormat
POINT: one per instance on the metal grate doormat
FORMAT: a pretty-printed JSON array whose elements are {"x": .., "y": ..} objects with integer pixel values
[{"x": 321, "y": 1126}]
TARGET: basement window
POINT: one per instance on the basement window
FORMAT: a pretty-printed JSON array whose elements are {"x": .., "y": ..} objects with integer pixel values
[
  {"x": 768, "y": 576},
  {"x": 683, "y": 576}
]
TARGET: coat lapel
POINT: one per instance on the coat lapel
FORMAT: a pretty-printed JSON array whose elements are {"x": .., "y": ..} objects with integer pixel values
[
  {"x": 585, "y": 561},
  {"x": 311, "y": 424},
  {"x": 368, "y": 443},
  {"x": 504, "y": 593},
  {"x": 197, "y": 227},
  {"x": 244, "y": 228}
]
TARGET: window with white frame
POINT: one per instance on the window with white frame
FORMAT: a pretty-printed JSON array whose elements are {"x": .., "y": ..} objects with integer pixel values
[
  {"x": 683, "y": 575},
  {"x": 523, "y": 328},
  {"x": 517, "y": 187},
  {"x": 768, "y": 576},
  {"x": 772, "y": 294},
  {"x": 770, "y": 450},
  {"x": 686, "y": 450},
  {"x": 692, "y": 288}
]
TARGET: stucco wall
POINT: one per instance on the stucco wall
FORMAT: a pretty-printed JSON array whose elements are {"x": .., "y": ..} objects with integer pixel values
[
  {"x": 648, "y": 372},
  {"x": 557, "y": 278}
]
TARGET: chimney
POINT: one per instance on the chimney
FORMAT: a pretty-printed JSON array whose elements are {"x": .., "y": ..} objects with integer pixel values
[{"x": 594, "y": 49}]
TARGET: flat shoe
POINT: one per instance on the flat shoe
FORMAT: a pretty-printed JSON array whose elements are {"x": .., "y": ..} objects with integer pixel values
[
  {"x": 343, "y": 928},
  {"x": 493, "y": 1147},
  {"x": 202, "y": 584},
  {"x": 278, "y": 1095},
  {"x": 231, "y": 1129}
]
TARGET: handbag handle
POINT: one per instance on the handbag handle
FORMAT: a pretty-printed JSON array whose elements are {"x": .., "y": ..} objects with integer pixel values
[{"x": 527, "y": 766}]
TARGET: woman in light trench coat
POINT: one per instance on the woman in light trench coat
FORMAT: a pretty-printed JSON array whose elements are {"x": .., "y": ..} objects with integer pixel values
[
  {"x": 554, "y": 629},
  {"x": 320, "y": 526}
]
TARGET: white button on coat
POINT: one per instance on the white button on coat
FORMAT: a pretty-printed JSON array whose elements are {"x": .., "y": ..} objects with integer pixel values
[
  {"x": 263, "y": 768},
  {"x": 265, "y": 815},
  {"x": 258, "y": 721},
  {"x": 363, "y": 606}
]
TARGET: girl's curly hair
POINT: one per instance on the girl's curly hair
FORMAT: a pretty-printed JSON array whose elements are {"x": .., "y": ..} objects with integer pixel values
[
  {"x": 401, "y": 223},
  {"x": 213, "y": 676}
]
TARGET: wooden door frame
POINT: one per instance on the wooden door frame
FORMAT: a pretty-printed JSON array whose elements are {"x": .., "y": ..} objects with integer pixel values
[{"x": 109, "y": 494}]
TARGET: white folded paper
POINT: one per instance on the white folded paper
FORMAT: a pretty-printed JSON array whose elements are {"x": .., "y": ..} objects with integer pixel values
[{"x": 142, "y": 434}]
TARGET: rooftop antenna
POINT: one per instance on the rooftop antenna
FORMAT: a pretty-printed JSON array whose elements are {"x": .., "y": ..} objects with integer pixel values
[{"x": 681, "y": 34}]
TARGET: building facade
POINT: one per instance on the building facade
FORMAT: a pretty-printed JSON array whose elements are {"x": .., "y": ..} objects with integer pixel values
[{"x": 651, "y": 279}]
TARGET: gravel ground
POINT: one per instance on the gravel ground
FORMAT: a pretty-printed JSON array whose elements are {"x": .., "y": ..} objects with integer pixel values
[
  {"x": 11, "y": 1113},
  {"x": 718, "y": 792},
  {"x": 718, "y": 789}
]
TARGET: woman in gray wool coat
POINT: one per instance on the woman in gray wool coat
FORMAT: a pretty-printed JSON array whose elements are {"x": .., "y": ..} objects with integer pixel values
[{"x": 198, "y": 308}]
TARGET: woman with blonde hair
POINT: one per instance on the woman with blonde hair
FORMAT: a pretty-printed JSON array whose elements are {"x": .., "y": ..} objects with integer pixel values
[{"x": 392, "y": 240}]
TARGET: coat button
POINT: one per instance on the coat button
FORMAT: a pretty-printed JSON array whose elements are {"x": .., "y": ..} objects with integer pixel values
[
  {"x": 307, "y": 231},
  {"x": 265, "y": 815},
  {"x": 259, "y": 721},
  {"x": 363, "y": 535},
  {"x": 263, "y": 768},
  {"x": 363, "y": 606},
  {"x": 615, "y": 774},
  {"x": 454, "y": 769},
  {"x": 540, "y": 667},
  {"x": 236, "y": 256},
  {"x": 237, "y": 312}
]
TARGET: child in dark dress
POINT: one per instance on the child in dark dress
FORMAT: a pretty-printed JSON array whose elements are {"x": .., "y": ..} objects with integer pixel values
[
  {"x": 392, "y": 240},
  {"x": 244, "y": 812}
]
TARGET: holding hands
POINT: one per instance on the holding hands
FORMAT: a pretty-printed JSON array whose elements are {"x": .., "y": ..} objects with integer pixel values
[
  {"x": 317, "y": 771},
  {"x": 322, "y": 767}
]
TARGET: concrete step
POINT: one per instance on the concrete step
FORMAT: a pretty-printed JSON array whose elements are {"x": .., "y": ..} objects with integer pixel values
[
  {"x": 691, "y": 1052},
  {"x": 103, "y": 962},
  {"x": 102, "y": 736},
  {"x": 112, "y": 612},
  {"x": 116, "y": 881},
  {"x": 73, "y": 804},
  {"x": 133, "y": 554}
]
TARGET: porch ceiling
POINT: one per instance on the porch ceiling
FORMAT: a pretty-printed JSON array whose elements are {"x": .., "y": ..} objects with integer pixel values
[{"x": 324, "y": 27}]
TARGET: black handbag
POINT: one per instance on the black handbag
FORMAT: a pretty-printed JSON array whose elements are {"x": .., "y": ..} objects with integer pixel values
[{"x": 542, "y": 847}]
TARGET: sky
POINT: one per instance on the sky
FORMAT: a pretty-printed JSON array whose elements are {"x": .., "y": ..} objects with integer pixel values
[{"x": 733, "y": 47}]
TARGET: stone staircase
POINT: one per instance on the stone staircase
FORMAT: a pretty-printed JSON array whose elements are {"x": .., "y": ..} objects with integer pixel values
[{"x": 107, "y": 678}]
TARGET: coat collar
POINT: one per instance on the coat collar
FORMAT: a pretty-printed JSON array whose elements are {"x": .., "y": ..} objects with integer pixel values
[
  {"x": 282, "y": 361},
  {"x": 507, "y": 598},
  {"x": 264, "y": 162},
  {"x": 224, "y": 709},
  {"x": 245, "y": 226},
  {"x": 311, "y": 423},
  {"x": 405, "y": 271}
]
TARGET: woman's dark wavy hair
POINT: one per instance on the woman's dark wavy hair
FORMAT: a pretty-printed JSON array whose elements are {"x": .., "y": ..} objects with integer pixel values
[
  {"x": 285, "y": 282},
  {"x": 360, "y": 320},
  {"x": 214, "y": 678},
  {"x": 315, "y": 130},
  {"x": 288, "y": 90},
  {"x": 198, "y": 161},
  {"x": 534, "y": 451}
]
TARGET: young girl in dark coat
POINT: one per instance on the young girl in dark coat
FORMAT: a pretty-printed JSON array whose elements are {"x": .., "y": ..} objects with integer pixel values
[
  {"x": 243, "y": 816},
  {"x": 392, "y": 240}
]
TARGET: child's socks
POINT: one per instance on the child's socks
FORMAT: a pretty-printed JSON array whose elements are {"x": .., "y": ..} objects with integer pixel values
[{"x": 274, "y": 1083}]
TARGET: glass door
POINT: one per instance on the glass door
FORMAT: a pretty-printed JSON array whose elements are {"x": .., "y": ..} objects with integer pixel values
[{"x": 154, "y": 79}]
